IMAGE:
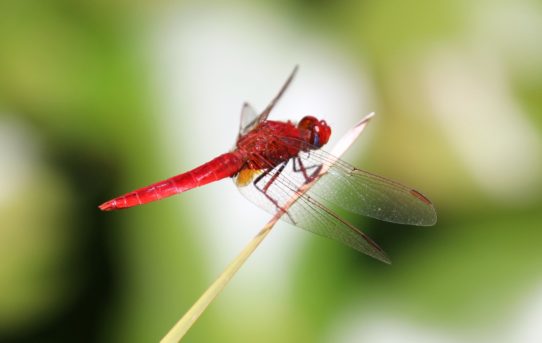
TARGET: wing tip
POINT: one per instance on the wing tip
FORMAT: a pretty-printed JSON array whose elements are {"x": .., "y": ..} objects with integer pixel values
[
  {"x": 431, "y": 219},
  {"x": 383, "y": 257},
  {"x": 376, "y": 251}
]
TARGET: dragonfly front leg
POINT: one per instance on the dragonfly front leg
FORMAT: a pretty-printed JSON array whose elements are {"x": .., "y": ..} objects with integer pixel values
[
  {"x": 301, "y": 168},
  {"x": 268, "y": 184}
]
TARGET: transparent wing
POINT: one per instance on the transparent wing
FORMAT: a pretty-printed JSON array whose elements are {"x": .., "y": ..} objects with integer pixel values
[
  {"x": 273, "y": 188},
  {"x": 249, "y": 117},
  {"x": 365, "y": 193},
  {"x": 269, "y": 108},
  {"x": 344, "y": 186}
]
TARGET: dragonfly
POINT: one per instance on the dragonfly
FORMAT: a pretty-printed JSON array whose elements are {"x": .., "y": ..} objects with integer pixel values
[{"x": 272, "y": 160}]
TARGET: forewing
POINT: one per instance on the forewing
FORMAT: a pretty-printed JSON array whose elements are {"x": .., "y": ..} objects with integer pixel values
[
  {"x": 276, "y": 186},
  {"x": 368, "y": 194},
  {"x": 249, "y": 117},
  {"x": 273, "y": 102}
]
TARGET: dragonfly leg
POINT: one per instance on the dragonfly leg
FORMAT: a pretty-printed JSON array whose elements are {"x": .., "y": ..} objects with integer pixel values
[
  {"x": 268, "y": 184},
  {"x": 301, "y": 168}
]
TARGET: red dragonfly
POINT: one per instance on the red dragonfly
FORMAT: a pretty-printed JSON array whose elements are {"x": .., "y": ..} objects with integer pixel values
[{"x": 273, "y": 159}]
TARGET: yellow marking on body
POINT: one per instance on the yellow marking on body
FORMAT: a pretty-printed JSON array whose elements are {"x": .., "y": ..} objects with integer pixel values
[{"x": 246, "y": 176}]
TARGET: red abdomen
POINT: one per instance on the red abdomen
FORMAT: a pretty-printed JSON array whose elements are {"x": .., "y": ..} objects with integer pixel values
[{"x": 221, "y": 167}]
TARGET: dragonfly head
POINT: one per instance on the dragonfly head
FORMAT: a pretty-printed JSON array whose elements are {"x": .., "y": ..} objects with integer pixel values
[{"x": 315, "y": 131}]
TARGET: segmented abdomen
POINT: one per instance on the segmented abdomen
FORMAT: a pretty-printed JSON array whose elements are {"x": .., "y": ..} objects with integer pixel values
[{"x": 221, "y": 167}]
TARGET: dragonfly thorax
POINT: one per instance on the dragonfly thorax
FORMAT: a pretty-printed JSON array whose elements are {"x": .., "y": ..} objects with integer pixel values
[{"x": 270, "y": 143}]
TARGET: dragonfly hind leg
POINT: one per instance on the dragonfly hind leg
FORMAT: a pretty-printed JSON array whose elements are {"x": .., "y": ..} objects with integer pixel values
[{"x": 268, "y": 184}]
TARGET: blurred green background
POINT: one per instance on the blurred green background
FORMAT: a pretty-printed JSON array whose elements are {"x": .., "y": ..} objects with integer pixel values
[{"x": 99, "y": 98}]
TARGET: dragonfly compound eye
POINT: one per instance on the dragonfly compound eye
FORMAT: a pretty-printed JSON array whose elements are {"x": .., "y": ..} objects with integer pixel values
[
  {"x": 324, "y": 131},
  {"x": 317, "y": 132}
]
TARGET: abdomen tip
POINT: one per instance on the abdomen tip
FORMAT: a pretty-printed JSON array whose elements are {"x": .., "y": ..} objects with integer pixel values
[{"x": 107, "y": 206}]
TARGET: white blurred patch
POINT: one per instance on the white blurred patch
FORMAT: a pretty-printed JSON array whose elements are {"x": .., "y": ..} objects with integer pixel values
[
  {"x": 526, "y": 325},
  {"x": 468, "y": 87},
  {"x": 484, "y": 122},
  {"x": 381, "y": 327},
  {"x": 18, "y": 155},
  {"x": 208, "y": 61},
  {"x": 511, "y": 29}
]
